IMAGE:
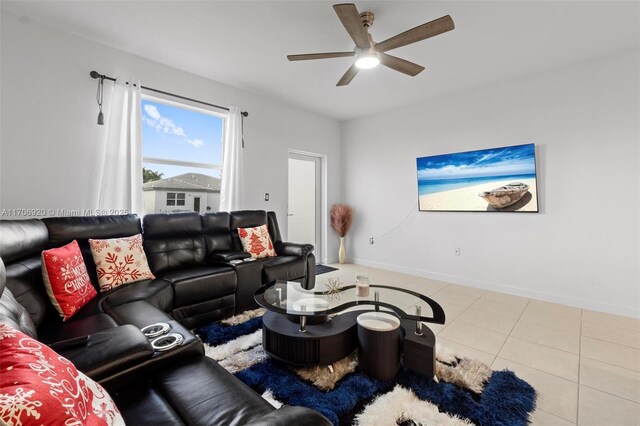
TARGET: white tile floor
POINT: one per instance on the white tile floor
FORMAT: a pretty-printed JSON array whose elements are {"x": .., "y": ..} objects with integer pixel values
[{"x": 585, "y": 365}]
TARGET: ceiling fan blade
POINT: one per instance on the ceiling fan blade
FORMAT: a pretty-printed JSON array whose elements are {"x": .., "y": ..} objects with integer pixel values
[
  {"x": 348, "y": 76},
  {"x": 350, "y": 18},
  {"x": 421, "y": 32},
  {"x": 308, "y": 56},
  {"x": 401, "y": 65}
]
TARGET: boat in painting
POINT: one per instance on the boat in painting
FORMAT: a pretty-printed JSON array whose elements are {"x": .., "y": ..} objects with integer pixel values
[{"x": 505, "y": 195}]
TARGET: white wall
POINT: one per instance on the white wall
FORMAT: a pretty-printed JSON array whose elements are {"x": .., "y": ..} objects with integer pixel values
[
  {"x": 49, "y": 136},
  {"x": 582, "y": 249}
]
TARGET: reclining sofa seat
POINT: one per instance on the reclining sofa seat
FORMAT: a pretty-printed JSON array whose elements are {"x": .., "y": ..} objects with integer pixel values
[
  {"x": 193, "y": 252},
  {"x": 176, "y": 250},
  {"x": 294, "y": 262},
  {"x": 194, "y": 390}
]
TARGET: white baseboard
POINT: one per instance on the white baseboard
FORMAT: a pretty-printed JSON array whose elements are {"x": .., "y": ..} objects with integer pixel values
[{"x": 516, "y": 291}]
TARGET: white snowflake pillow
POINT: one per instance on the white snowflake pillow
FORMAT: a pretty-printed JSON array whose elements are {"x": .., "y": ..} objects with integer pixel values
[
  {"x": 38, "y": 386},
  {"x": 120, "y": 261}
]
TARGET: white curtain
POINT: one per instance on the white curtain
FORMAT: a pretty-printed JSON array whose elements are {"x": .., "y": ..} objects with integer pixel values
[
  {"x": 232, "y": 185},
  {"x": 121, "y": 183}
]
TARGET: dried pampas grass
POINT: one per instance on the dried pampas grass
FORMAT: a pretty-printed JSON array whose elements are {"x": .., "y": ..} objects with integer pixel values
[{"x": 341, "y": 218}]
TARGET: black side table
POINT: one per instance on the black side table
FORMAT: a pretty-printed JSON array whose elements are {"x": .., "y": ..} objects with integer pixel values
[
  {"x": 379, "y": 336},
  {"x": 419, "y": 350}
]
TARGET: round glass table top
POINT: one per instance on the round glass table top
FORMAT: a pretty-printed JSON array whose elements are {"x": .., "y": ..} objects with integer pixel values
[{"x": 287, "y": 297}]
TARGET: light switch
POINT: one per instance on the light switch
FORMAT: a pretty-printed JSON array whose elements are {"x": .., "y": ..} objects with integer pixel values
[{"x": 266, "y": 196}]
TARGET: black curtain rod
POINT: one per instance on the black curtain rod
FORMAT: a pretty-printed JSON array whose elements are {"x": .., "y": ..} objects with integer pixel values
[{"x": 95, "y": 74}]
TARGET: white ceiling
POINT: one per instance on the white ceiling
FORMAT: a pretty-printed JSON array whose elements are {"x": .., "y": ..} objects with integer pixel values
[{"x": 245, "y": 43}]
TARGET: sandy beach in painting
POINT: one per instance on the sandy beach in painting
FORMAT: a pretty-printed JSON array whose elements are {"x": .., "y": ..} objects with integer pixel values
[{"x": 467, "y": 199}]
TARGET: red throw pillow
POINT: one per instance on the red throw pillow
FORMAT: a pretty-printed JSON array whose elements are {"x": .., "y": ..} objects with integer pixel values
[
  {"x": 120, "y": 261},
  {"x": 38, "y": 387},
  {"x": 256, "y": 241},
  {"x": 66, "y": 279}
]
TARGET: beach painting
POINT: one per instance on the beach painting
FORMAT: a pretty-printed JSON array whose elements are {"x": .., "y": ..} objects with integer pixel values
[{"x": 494, "y": 180}]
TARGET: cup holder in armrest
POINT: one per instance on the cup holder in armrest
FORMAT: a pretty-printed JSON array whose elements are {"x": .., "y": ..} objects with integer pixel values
[
  {"x": 164, "y": 343},
  {"x": 155, "y": 330}
]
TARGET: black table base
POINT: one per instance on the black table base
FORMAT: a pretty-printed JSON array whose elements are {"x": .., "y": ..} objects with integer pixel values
[
  {"x": 321, "y": 344},
  {"x": 328, "y": 342}
]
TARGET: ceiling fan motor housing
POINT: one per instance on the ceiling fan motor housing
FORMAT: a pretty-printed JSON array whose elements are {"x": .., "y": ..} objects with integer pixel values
[{"x": 367, "y": 19}]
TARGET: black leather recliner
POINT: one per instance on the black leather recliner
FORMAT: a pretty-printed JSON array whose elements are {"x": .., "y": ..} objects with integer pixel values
[
  {"x": 189, "y": 253},
  {"x": 191, "y": 390},
  {"x": 195, "y": 284}
]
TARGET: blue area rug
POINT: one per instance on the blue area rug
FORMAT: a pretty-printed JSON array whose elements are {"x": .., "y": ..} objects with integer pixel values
[
  {"x": 323, "y": 269},
  {"x": 504, "y": 400}
]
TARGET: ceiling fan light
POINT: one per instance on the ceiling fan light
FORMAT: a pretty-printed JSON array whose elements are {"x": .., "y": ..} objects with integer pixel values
[{"x": 367, "y": 60}]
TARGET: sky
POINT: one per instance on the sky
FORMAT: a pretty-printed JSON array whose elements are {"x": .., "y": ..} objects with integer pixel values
[
  {"x": 174, "y": 133},
  {"x": 506, "y": 161}
]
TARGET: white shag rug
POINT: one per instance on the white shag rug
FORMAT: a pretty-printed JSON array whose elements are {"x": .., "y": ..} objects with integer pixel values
[
  {"x": 244, "y": 316},
  {"x": 400, "y": 405},
  {"x": 464, "y": 372},
  {"x": 268, "y": 396}
]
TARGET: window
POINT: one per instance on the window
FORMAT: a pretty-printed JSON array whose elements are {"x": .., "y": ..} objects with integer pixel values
[
  {"x": 176, "y": 199},
  {"x": 181, "y": 156}
]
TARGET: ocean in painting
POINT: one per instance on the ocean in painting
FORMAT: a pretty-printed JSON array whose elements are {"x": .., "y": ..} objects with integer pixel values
[{"x": 432, "y": 186}]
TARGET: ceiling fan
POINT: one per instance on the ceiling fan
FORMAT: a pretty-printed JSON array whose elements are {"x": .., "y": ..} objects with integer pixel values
[{"x": 367, "y": 53}]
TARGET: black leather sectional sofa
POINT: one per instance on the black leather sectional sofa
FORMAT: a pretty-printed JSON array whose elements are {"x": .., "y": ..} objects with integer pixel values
[{"x": 196, "y": 282}]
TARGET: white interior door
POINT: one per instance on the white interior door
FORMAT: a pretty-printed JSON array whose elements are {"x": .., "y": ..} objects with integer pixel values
[{"x": 304, "y": 222}]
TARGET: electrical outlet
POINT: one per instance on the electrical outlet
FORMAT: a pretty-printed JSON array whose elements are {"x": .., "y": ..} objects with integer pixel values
[
  {"x": 456, "y": 251},
  {"x": 370, "y": 240},
  {"x": 266, "y": 196}
]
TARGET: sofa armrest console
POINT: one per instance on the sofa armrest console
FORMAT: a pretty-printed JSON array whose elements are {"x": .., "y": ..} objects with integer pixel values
[
  {"x": 76, "y": 342},
  {"x": 106, "y": 352},
  {"x": 191, "y": 346},
  {"x": 227, "y": 256}
]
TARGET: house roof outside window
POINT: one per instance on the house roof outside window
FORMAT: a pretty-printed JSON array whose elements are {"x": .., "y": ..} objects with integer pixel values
[{"x": 185, "y": 182}]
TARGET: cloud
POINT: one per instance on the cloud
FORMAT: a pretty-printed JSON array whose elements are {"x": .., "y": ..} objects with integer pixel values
[
  {"x": 486, "y": 157},
  {"x": 152, "y": 112},
  {"x": 165, "y": 125}
]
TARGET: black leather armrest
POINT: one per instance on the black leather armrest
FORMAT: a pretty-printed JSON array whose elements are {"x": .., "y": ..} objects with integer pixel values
[
  {"x": 288, "y": 415},
  {"x": 226, "y": 256},
  {"x": 70, "y": 343},
  {"x": 109, "y": 351},
  {"x": 293, "y": 249}
]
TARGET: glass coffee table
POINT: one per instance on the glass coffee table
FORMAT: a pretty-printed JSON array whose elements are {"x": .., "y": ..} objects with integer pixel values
[{"x": 307, "y": 327}]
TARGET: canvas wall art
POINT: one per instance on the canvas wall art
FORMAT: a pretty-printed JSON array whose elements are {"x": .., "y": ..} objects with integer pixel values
[{"x": 494, "y": 180}]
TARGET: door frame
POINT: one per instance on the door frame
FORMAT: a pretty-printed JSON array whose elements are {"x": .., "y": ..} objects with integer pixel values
[{"x": 321, "y": 199}]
